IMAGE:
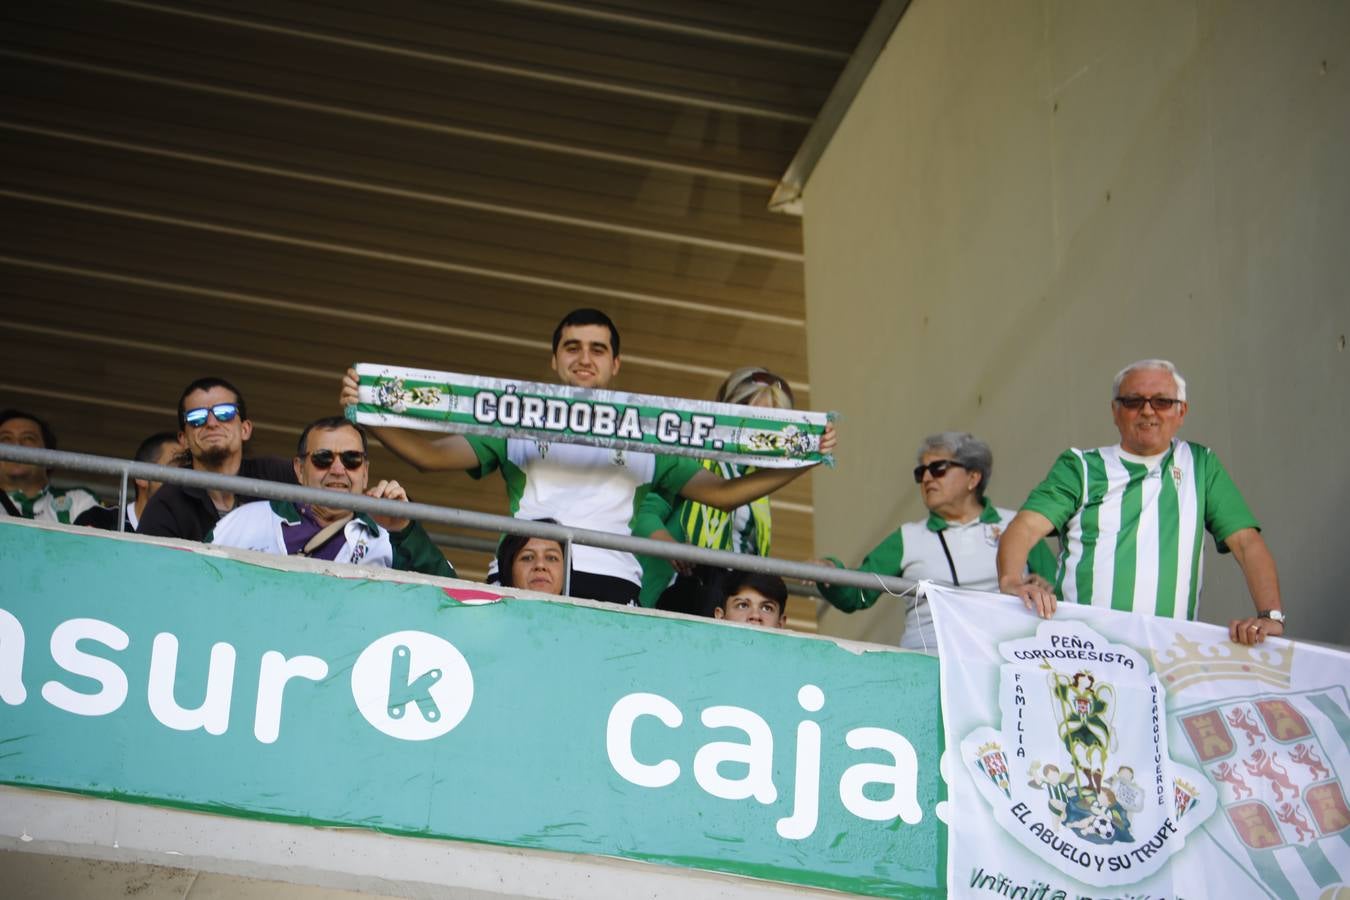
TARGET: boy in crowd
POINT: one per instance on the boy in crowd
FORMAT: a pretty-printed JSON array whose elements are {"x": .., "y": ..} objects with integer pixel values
[{"x": 753, "y": 598}]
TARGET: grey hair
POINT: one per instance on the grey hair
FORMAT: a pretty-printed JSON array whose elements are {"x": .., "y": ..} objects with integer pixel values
[
  {"x": 971, "y": 452},
  {"x": 1161, "y": 364}
]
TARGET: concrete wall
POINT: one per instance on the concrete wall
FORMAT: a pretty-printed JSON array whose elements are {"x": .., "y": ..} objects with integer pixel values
[
  {"x": 56, "y": 846},
  {"x": 1026, "y": 196}
]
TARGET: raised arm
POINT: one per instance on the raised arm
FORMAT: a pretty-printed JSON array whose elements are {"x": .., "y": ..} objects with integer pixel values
[
  {"x": 727, "y": 494},
  {"x": 423, "y": 451},
  {"x": 1263, "y": 583},
  {"x": 1014, "y": 546}
]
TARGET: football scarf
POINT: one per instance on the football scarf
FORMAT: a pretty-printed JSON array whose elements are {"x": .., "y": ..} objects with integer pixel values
[{"x": 471, "y": 404}]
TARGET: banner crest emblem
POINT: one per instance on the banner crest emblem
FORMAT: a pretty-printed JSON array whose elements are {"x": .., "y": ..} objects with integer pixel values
[{"x": 1091, "y": 779}]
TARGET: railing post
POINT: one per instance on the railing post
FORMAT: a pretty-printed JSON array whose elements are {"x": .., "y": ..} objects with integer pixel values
[
  {"x": 122, "y": 504},
  {"x": 567, "y": 568}
]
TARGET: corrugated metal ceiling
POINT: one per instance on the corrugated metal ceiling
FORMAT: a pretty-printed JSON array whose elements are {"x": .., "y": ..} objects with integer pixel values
[{"x": 271, "y": 190}]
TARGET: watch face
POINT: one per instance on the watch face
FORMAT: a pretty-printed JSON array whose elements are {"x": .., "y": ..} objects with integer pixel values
[{"x": 1274, "y": 615}]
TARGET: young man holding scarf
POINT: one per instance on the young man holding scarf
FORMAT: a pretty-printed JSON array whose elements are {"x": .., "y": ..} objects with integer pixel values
[{"x": 582, "y": 486}]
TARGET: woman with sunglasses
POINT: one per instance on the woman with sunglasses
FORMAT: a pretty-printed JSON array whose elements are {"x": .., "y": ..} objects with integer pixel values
[
  {"x": 747, "y": 529},
  {"x": 956, "y": 544}
]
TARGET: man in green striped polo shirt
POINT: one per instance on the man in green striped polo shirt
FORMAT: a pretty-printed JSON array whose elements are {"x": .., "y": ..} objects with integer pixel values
[{"x": 1131, "y": 518}]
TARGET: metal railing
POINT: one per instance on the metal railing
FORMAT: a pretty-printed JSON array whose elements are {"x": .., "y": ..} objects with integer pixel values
[
  {"x": 444, "y": 539},
  {"x": 444, "y": 515}
]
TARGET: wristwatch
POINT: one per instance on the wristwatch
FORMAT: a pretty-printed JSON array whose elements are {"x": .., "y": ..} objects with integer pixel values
[{"x": 1274, "y": 615}]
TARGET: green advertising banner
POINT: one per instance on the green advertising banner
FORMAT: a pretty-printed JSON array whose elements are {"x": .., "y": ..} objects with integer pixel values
[{"x": 192, "y": 679}]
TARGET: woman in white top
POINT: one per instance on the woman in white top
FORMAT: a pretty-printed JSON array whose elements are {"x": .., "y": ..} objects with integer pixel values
[{"x": 956, "y": 544}]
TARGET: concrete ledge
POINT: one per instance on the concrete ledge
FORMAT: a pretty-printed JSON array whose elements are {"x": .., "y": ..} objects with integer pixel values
[{"x": 300, "y": 858}]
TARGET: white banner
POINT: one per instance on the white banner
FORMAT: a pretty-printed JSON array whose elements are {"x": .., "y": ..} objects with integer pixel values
[{"x": 1107, "y": 754}]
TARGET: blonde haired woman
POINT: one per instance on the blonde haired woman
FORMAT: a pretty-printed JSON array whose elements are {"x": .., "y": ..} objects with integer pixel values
[{"x": 746, "y": 529}]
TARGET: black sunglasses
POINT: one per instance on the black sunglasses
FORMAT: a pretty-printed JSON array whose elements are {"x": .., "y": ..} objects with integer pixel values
[
  {"x": 1159, "y": 404},
  {"x": 223, "y": 412},
  {"x": 937, "y": 468},
  {"x": 351, "y": 459}
]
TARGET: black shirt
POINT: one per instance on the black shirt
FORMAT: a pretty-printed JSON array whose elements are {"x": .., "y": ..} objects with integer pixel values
[
  {"x": 104, "y": 517},
  {"x": 187, "y": 512}
]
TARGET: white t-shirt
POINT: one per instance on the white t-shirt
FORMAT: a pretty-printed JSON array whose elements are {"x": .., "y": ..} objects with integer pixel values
[{"x": 583, "y": 487}]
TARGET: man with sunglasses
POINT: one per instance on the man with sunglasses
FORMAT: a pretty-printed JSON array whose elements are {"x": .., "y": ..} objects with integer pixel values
[
  {"x": 1132, "y": 517},
  {"x": 332, "y": 454},
  {"x": 213, "y": 426}
]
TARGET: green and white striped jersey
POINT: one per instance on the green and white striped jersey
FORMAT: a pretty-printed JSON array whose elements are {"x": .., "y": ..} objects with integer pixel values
[{"x": 1132, "y": 533}]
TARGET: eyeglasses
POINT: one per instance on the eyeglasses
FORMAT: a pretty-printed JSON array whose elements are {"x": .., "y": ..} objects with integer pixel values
[
  {"x": 1158, "y": 404},
  {"x": 224, "y": 412},
  {"x": 937, "y": 468},
  {"x": 771, "y": 380},
  {"x": 323, "y": 459}
]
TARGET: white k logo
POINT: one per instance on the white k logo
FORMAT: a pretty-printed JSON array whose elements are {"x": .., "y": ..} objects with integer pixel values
[{"x": 412, "y": 685}]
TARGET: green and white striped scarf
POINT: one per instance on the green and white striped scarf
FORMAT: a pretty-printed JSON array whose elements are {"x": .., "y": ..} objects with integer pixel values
[{"x": 471, "y": 404}]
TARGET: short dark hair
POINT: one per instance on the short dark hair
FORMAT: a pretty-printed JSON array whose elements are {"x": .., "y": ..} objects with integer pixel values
[
  {"x": 48, "y": 436},
  {"x": 205, "y": 384},
  {"x": 509, "y": 549},
  {"x": 149, "y": 447},
  {"x": 330, "y": 423},
  {"x": 587, "y": 316},
  {"x": 771, "y": 586}
]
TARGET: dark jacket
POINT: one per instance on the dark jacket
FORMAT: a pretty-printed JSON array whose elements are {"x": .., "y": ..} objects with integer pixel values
[
  {"x": 185, "y": 512},
  {"x": 104, "y": 517}
]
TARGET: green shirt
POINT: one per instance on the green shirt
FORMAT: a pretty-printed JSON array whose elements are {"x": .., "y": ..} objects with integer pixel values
[
  {"x": 53, "y": 504},
  {"x": 746, "y": 529},
  {"x": 1132, "y": 533},
  {"x": 935, "y": 549}
]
